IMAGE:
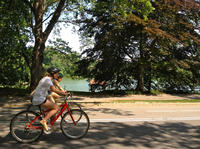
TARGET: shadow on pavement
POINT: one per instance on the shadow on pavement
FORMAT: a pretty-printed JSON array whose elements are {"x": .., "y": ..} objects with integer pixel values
[
  {"x": 116, "y": 112},
  {"x": 120, "y": 135},
  {"x": 186, "y": 96}
]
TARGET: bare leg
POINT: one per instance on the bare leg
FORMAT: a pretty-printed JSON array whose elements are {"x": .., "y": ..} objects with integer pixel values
[
  {"x": 53, "y": 110},
  {"x": 51, "y": 99},
  {"x": 55, "y": 96},
  {"x": 52, "y": 107}
]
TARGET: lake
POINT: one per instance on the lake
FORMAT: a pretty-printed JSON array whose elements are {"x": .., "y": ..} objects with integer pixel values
[{"x": 75, "y": 84}]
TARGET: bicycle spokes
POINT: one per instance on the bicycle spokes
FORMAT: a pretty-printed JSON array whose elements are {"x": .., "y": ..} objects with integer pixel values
[
  {"x": 77, "y": 127},
  {"x": 26, "y": 127}
]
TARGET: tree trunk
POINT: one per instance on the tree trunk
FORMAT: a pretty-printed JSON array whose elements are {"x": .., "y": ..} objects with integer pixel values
[
  {"x": 37, "y": 59},
  {"x": 140, "y": 84},
  {"x": 149, "y": 79},
  {"x": 37, "y": 71},
  {"x": 141, "y": 67},
  {"x": 38, "y": 10}
]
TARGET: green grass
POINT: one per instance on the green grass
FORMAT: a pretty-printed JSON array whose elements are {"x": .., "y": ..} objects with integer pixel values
[{"x": 159, "y": 101}]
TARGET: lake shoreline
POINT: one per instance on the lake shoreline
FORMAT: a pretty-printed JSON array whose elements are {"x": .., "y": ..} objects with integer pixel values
[{"x": 10, "y": 93}]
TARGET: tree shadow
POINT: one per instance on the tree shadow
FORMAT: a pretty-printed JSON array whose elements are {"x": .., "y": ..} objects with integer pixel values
[
  {"x": 115, "y": 112},
  {"x": 8, "y": 112},
  {"x": 187, "y": 96},
  {"x": 13, "y": 100},
  {"x": 123, "y": 135}
]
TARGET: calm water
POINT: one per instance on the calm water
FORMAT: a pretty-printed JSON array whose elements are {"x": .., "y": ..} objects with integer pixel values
[
  {"x": 82, "y": 85},
  {"x": 75, "y": 85}
]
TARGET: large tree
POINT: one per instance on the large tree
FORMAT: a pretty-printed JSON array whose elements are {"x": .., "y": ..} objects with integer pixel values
[
  {"x": 112, "y": 36},
  {"x": 42, "y": 15},
  {"x": 146, "y": 43},
  {"x": 174, "y": 30}
]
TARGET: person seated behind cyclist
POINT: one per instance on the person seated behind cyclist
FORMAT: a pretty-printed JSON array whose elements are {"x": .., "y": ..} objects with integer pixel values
[
  {"x": 40, "y": 95},
  {"x": 56, "y": 82}
]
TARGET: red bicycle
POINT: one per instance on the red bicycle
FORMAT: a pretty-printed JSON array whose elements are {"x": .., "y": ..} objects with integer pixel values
[
  {"x": 68, "y": 99},
  {"x": 25, "y": 126}
]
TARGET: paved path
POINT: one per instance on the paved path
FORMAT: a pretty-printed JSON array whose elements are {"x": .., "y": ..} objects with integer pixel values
[{"x": 119, "y": 125}]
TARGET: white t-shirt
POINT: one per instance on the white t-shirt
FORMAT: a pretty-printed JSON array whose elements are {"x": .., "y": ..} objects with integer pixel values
[{"x": 41, "y": 91}]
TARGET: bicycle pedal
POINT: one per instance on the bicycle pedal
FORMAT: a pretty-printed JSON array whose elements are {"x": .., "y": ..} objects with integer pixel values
[{"x": 48, "y": 132}]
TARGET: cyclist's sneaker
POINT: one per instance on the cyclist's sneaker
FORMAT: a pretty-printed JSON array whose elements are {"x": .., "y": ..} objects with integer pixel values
[{"x": 44, "y": 125}]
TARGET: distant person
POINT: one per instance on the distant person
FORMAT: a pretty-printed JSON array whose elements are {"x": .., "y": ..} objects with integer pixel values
[
  {"x": 56, "y": 82},
  {"x": 40, "y": 95},
  {"x": 94, "y": 84}
]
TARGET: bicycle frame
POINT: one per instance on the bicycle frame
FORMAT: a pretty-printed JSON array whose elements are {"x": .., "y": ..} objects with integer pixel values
[{"x": 63, "y": 108}]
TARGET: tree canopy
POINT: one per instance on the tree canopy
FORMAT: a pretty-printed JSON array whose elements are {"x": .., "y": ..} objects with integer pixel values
[
  {"x": 161, "y": 51},
  {"x": 139, "y": 45}
]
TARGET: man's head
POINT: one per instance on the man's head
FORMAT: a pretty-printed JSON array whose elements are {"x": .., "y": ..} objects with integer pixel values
[{"x": 60, "y": 77}]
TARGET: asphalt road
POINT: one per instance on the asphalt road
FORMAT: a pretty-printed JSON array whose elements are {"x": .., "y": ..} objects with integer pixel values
[{"x": 122, "y": 126}]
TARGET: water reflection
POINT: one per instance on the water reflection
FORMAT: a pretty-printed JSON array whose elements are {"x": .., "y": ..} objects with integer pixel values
[{"x": 75, "y": 85}]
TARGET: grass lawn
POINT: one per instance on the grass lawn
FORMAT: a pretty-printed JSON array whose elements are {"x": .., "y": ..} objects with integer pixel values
[{"x": 159, "y": 101}]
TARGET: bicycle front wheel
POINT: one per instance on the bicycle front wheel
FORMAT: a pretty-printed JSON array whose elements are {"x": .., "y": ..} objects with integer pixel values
[
  {"x": 75, "y": 125},
  {"x": 25, "y": 127},
  {"x": 74, "y": 105}
]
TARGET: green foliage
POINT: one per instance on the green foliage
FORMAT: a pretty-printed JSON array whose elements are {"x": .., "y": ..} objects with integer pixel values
[
  {"x": 139, "y": 44},
  {"x": 13, "y": 38},
  {"x": 161, "y": 50},
  {"x": 60, "y": 55},
  {"x": 20, "y": 22},
  {"x": 124, "y": 7}
]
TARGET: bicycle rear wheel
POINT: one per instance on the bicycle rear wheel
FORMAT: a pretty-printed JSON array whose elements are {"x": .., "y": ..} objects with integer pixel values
[
  {"x": 78, "y": 130},
  {"x": 22, "y": 130}
]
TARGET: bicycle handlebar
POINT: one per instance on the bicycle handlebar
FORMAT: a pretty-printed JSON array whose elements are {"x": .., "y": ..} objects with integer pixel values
[{"x": 68, "y": 95}]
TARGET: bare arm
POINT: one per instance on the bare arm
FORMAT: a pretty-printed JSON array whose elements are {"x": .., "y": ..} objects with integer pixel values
[
  {"x": 32, "y": 93},
  {"x": 56, "y": 83},
  {"x": 58, "y": 91}
]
